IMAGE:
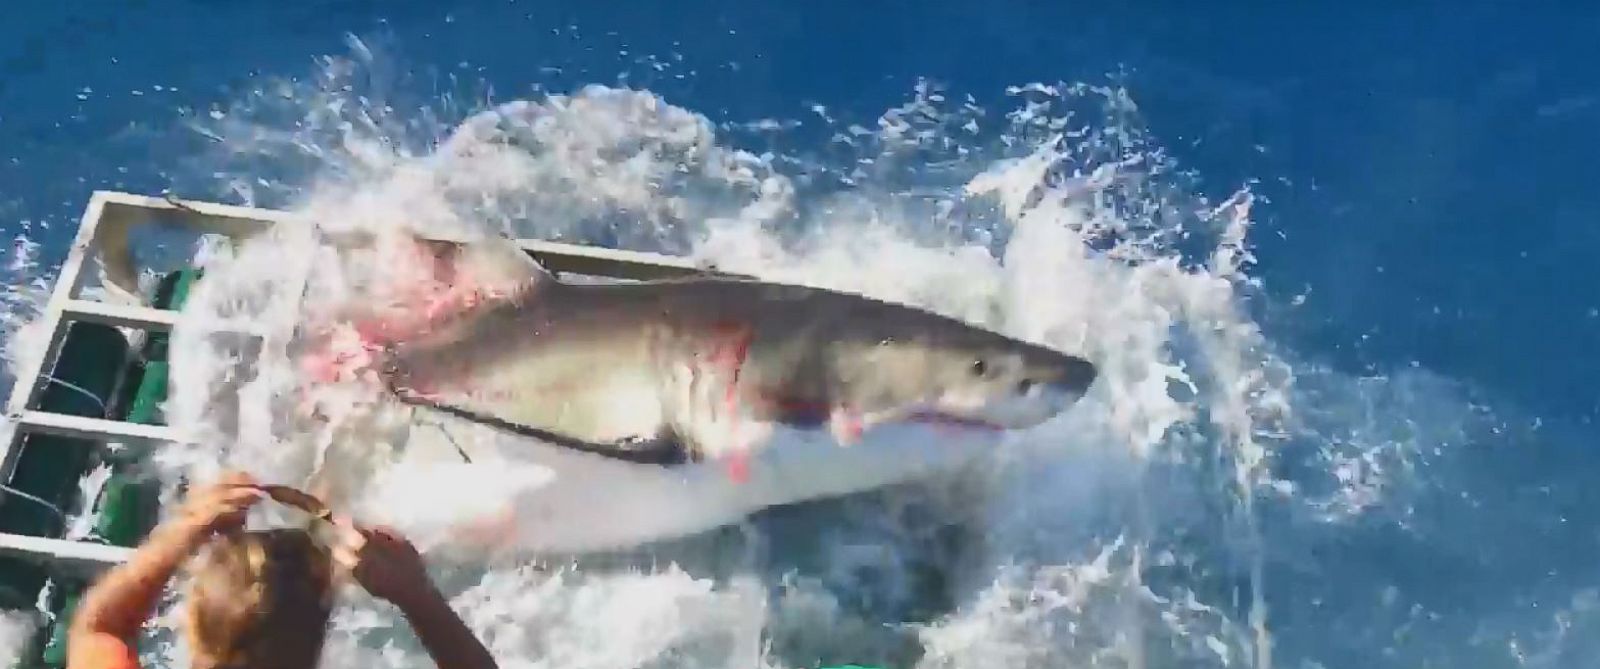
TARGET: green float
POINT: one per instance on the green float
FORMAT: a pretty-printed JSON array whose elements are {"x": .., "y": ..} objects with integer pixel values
[
  {"x": 128, "y": 504},
  {"x": 44, "y": 486}
]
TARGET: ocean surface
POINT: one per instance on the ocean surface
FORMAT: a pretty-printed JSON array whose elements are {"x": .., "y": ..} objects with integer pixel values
[{"x": 1339, "y": 258}]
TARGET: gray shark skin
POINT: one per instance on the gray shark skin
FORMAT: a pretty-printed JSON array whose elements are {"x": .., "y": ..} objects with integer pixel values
[
  {"x": 663, "y": 408},
  {"x": 686, "y": 370}
]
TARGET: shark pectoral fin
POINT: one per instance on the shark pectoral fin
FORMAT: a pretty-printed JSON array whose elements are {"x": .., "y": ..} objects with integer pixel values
[
  {"x": 499, "y": 528},
  {"x": 438, "y": 503},
  {"x": 846, "y": 425}
]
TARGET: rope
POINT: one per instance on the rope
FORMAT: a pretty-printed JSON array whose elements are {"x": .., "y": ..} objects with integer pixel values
[
  {"x": 175, "y": 202},
  {"x": 36, "y": 500},
  {"x": 663, "y": 452},
  {"x": 80, "y": 390}
]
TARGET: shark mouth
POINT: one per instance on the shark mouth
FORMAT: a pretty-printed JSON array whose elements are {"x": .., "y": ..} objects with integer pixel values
[
  {"x": 945, "y": 420},
  {"x": 804, "y": 413},
  {"x": 728, "y": 351}
]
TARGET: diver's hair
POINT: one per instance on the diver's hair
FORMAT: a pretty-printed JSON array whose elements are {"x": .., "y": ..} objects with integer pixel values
[{"x": 259, "y": 599}]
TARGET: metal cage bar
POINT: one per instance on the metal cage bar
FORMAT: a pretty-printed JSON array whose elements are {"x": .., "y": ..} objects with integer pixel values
[{"x": 102, "y": 235}]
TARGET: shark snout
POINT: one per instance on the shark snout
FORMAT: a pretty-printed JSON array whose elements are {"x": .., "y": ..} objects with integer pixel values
[
  {"x": 1071, "y": 375},
  {"x": 1026, "y": 405},
  {"x": 1032, "y": 404},
  {"x": 1043, "y": 394}
]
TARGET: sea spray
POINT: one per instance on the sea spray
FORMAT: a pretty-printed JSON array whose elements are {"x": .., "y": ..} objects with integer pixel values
[
  {"x": 1120, "y": 535},
  {"x": 1083, "y": 269},
  {"x": 17, "y": 629}
]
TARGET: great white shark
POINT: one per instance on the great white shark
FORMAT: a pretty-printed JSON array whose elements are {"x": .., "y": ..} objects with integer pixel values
[{"x": 662, "y": 408}]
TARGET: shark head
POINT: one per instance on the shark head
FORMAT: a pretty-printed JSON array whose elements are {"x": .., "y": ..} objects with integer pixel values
[
  {"x": 932, "y": 397},
  {"x": 942, "y": 373}
]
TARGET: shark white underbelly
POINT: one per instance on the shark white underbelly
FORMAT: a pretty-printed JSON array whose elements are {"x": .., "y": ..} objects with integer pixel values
[{"x": 526, "y": 496}]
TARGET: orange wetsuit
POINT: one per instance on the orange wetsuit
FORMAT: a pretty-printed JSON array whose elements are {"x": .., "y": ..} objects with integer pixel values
[{"x": 105, "y": 651}]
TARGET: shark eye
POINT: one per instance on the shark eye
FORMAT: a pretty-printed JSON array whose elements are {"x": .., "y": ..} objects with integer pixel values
[{"x": 979, "y": 367}]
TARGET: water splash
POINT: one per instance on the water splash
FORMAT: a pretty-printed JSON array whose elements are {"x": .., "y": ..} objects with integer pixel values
[
  {"x": 1179, "y": 517},
  {"x": 16, "y": 632},
  {"x": 27, "y": 288},
  {"x": 1068, "y": 250}
]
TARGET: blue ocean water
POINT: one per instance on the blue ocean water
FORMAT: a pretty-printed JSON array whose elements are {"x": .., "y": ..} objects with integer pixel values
[{"x": 1424, "y": 243}]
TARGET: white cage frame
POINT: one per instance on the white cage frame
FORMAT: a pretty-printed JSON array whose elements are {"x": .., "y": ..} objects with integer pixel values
[{"x": 102, "y": 235}]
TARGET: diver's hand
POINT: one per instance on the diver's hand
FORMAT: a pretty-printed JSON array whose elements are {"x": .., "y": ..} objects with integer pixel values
[
  {"x": 389, "y": 567},
  {"x": 220, "y": 506},
  {"x": 384, "y": 563},
  {"x": 118, "y": 604}
]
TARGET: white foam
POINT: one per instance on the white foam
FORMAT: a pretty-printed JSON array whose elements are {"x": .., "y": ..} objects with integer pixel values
[
  {"x": 26, "y": 290},
  {"x": 16, "y": 629},
  {"x": 1061, "y": 238}
]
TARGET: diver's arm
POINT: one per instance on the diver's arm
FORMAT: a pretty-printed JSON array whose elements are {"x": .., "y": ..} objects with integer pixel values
[
  {"x": 120, "y": 601},
  {"x": 114, "y": 609},
  {"x": 388, "y": 566},
  {"x": 449, "y": 642}
]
